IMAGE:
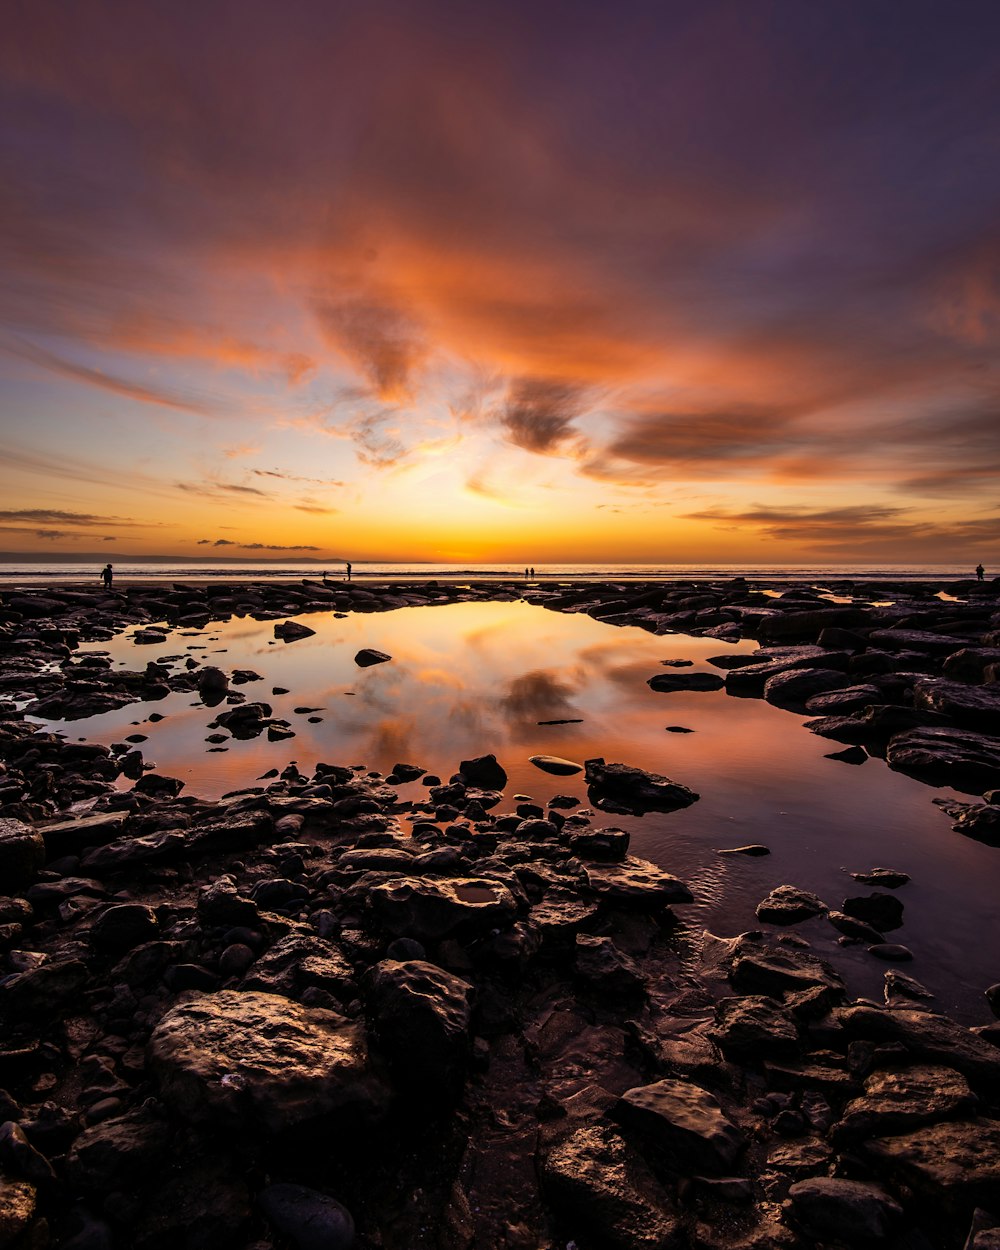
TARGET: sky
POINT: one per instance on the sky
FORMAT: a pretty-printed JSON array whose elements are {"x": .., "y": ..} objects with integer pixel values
[{"x": 377, "y": 280}]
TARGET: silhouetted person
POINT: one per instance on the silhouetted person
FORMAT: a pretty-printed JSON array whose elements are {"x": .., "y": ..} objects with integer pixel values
[
  {"x": 980, "y": 571},
  {"x": 525, "y": 572},
  {"x": 106, "y": 575},
  {"x": 348, "y": 571},
  {"x": 532, "y": 572}
]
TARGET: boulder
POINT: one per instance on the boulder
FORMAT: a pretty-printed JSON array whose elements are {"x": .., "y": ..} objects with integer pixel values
[
  {"x": 832, "y": 1209},
  {"x": 428, "y": 909},
  {"x": 419, "y": 1016},
  {"x": 605, "y": 968},
  {"x": 754, "y": 1027},
  {"x": 899, "y": 1101},
  {"x": 685, "y": 1122},
  {"x": 18, "y": 1204},
  {"x": 881, "y": 911},
  {"x": 368, "y": 656},
  {"x": 553, "y": 764},
  {"x": 955, "y": 1164},
  {"x": 959, "y": 758},
  {"x": 117, "y": 1153},
  {"x": 310, "y": 1220},
  {"x": 297, "y": 963},
  {"x": 483, "y": 771},
  {"x": 977, "y": 707},
  {"x": 786, "y": 904},
  {"x": 635, "y": 883},
  {"x": 22, "y": 854},
  {"x": 633, "y": 790},
  {"x": 291, "y": 631},
  {"x": 123, "y": 927},
  {"x": 603, "y": 1192},
  {"x": 794, "y": 687},
  {"x": 252, "y": 1058}
]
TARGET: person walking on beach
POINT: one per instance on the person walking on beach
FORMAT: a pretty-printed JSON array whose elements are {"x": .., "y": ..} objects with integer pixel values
[
  {"x": 348, "y": 570},
  {"x": 106, "y": 575},
  {"x": 980, "y": 572}
]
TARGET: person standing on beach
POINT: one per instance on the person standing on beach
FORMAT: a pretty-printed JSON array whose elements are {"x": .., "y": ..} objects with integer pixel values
[
  {"x": 980, "y": 572},
  {"x": 348, "y": 570},
  {"x": 106, "y": 575}
]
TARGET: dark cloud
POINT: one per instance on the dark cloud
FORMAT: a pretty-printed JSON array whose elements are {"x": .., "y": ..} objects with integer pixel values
[
  {"x": 538, "y": 413},
  {"x": 230, "y": 542},
  {"x": 217, "y": 490},
  {"x": 380, "y": 340},
  {"x": 42, "y": 515}
]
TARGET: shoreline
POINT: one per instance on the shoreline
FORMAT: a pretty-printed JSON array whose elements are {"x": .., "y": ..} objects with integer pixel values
[{"x": 510, "y": 979}]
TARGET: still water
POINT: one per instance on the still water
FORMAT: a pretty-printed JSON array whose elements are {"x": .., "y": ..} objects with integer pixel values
[{"x": 466, "y": 679}]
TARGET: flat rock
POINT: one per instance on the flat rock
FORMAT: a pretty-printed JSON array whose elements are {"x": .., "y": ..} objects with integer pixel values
[
  {"x": 957, "y": 1163},
  {"x": 840, "y": 702},
  {"x": 759, "y": 969},
  {"x": 753, "y": 1027},
  {"x": 753, "y": 849},
  {"x": 666, "y": 683},
  {"x": 424, "y": 908},
  {"x": 685, "y": 1122},
  {"x": 959, "y": 758},
  {"x": 553, "y": 764},
  {"x": 22, "y": 854},
  {"x": 904, "y": 1100},
  {"x": 787, "y": 904},
  {"x": 636, "y": 883},
  {"x": 794, "y": 687},
  {"x": 633, "y": 790},
  {"x": 251, "y": 1057},
  {"x": 974, "y": 707}
]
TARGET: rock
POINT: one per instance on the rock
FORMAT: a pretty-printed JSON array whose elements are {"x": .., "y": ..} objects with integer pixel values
[
  {"x": 683, "y": 1121},
  {"x": 843, "y": 701},
  {"x": 947, "y": 757},
  {"x": 635, "y": 883},
  {"x": 956, "y": 1164},
  {"x": 159, "y": 787},
  {"x": 786, "y": 904},
  {"x": 633, "y": 790},
  {"x": 118, "y": 1153},
  {"x": 753, "y": 849},
  {"x": 901, "y": 990},
  {"x": 120, "y": 928},
  {"x": 753, "y": 1027},
  {"x": 970, "y": 663},
  {"x": 832, "y": 1209},
  {"x": 22, "y": 854},
  {"x": 901, "y": 1101},
  {"x": 605, "y": 968},
  {"x": 368, "y": 656},
  {"x": 759, "y": 969},
  {"x": 852, "y": 927},
  {"x": 553, "y": 764},
  {"x": 424, "y": 909},
  {"x": 603, "y": 844},
  {"x": 44, "y": 992},
  {"x": 18, "y": 1203},
  {"x": 252, "y": 1057},
  {"x": 993, "y": 998},
  {"x": 977, "y": 707},
  {"x": 890, "y": 877},
  {"x": 849, "y": 755},
  {"x": 199, "y": 1203},
  {"x": 671, "y": 682},
  {"x": 892, "y": 952},
  {"x": 882, "y": 911},
  {"x": 309, "y": 1219},
  {"x": 979, "y": 821},
  {"x": 221, "y": 904},
  {"x": 928, "y": 1037},
  {"x": 19, "y": 1157},
  {"x": 296, "y": 963},
  {"x": 292, "y": 631},
  {"x": 245, "y": 720},
  {"x": 794, "y": 687},
  {"x": 419, "y": 1016},
  {"x": 212, "y": 683},
  {"x": 483, "y": 771},
  {"x": 604, "y": 1193}
]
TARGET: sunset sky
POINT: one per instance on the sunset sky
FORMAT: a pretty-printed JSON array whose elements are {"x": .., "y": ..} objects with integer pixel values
[{"x": 483, "y": 280}]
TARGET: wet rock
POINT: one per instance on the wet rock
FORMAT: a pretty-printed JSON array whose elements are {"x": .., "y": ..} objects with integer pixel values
[
  {"x": 212, "y": 683},
  {"x": 979, "y": 821},
  {"x": 368, "y": 656},
  {"x": 121, "y": 928},
  {"x": 685, "y": 1122},
  {"x": 786, "y": 904},
  {"x": 22, "y": 854},
  {"x": 977, "y": 707},
  {"x": 850, "y": 755},
  {"x": 245, "y": 720},
  {"x": 155, "y": 786},
  {"x": 902, "y": 990},
  {"x": 852, "y": 927},
  {"x": 833, "y": 1209},
  {"x": 760, "y": 969},
  {"x": 671, "y": 682},
  {"x": 425, "y": 909},
  {"x": 420, "y": 1016},
  {"x": 483, "y": 771},
  {"x": 252, "y": 1057},
  {"x": 603, "y": 1191},
  {"x": 793, "y": 688},
  {"x": 882, "y": 911},
  {"x": 843, "y": 701},
  {"x": 562, "y": 914},
  {"x": 892, "y": 952},
  {"x": 553, "y": 764},
  {"x": 901, "y": 1101},
  {"x": 754, "y": 849},
  {"x": 947, "y": 757},
  {"x": 892, "y": 878},
  {"x": 603, "y": 844},
  {"x": 292, "y": 631},
  {"x": 309, "y": 1219},
  {"x": 635, "y": 883},
  {"x": 633, "y": 790},
  {"x": 296, "y": 963}
]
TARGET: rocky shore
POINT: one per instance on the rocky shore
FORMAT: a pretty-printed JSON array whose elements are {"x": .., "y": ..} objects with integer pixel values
[{"x": 317, "y": 1015}]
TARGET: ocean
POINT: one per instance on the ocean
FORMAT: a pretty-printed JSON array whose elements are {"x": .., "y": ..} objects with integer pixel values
[{"x": 41, "y": 572}]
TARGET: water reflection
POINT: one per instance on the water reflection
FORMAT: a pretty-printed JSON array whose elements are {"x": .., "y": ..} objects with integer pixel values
[{"x": 466, "y": 679}]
